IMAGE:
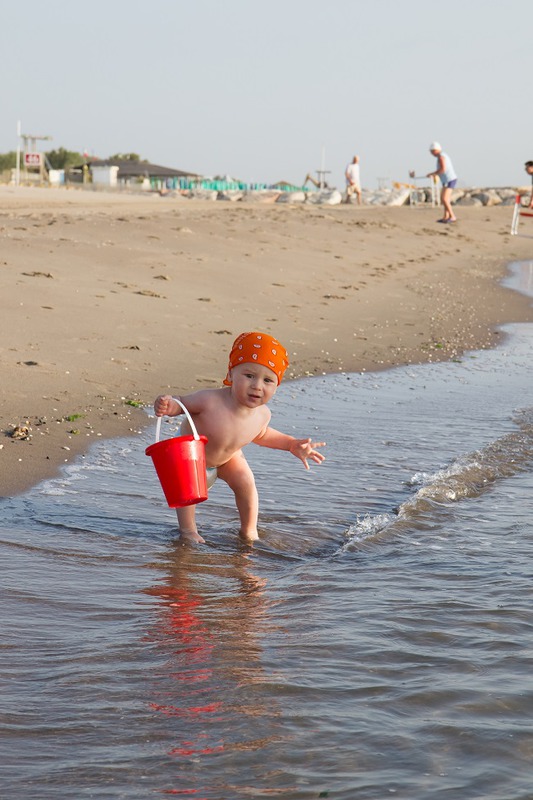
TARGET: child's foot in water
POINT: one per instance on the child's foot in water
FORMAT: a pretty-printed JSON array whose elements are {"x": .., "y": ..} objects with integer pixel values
[
  {"x": 249, "y": 536},
  {"x": 191, "y": 536}
]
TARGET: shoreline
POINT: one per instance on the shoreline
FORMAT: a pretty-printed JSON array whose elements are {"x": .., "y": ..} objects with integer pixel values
[{"x": 109, "y": 301}]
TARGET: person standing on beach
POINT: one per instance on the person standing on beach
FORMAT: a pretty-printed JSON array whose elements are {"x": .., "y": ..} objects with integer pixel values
[
  {"x": 234, "y": 416},
  {"x": 529, "y": 169},
  {"x": 353, "y": 180},
  {"x": 448, "y": 179}
]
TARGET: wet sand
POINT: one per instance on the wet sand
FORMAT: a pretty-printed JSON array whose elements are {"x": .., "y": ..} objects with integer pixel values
[{"x": 107, "y": 300}]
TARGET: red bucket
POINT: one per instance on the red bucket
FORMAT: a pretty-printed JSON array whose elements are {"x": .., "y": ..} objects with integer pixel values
[{"x": 180, "y": 466}]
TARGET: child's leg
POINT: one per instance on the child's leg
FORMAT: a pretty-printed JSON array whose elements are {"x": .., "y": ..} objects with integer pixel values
[
  {"x": 187, "y": 524},
  {"x": 239, "y": 477}
]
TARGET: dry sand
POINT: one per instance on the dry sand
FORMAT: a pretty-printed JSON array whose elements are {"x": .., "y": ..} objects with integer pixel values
[{"x": 108, "y": 300}]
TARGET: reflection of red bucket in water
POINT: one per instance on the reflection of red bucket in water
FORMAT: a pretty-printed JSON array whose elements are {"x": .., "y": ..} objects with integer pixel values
[{"x": 181, "y": 467}]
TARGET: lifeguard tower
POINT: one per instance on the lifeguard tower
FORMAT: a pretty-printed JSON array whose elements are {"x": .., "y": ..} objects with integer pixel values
[{"x": 31, "y": 162}]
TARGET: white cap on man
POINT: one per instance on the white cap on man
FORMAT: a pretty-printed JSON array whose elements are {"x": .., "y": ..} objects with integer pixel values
[{"x": 435, "y": 146}]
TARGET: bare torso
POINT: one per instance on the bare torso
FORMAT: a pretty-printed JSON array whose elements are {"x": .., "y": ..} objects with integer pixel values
[{"x": 227, "y": 425}]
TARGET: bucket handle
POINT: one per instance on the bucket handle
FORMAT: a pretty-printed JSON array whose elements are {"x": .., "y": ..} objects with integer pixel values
[{"x": 189, "y": 419}]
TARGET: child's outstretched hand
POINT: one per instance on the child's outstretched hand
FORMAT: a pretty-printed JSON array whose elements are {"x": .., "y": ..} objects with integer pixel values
[
  {"x": 162, "y": 405},
  {"x": 305, "y": 448}
]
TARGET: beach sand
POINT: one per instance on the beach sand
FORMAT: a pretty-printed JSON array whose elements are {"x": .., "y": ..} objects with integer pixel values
[{"x": 110, "y": 299}]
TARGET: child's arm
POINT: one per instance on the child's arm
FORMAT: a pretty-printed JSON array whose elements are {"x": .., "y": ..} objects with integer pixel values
[{"x": 301, "y": 448}]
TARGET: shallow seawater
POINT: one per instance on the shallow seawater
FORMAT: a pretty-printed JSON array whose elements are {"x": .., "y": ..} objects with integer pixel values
[{"x": 376, "y": 642}]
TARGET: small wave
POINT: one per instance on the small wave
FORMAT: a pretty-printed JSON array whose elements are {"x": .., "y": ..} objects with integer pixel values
[
  {"x": 467, "y": 476},
  {"x": 367, "y": 525},
  {"x": 57, "y": 491},
  {"x": 471, "y": 474}
]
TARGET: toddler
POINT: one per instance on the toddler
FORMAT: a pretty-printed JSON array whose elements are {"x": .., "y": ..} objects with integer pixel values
[{"x": 232, "y": 417}]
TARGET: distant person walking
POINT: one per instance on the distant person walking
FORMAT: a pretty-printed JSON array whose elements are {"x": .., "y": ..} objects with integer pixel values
[
  {"x": 353, "y": 180},
  {"x": 448, "y": 179},
  {"x": 529, "y": 169}
]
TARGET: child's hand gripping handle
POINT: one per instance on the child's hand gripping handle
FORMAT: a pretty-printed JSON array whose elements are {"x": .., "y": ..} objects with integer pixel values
[{"x": 189, "y": 419}]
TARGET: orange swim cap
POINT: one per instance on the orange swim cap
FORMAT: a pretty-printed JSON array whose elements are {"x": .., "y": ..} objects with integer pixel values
[{"x": 258, "y": 348}]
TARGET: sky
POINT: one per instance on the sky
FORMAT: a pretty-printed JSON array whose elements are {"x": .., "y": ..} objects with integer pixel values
[{"x": 262, "y": 91}]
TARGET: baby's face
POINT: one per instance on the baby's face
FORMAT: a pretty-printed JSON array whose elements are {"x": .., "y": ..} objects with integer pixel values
[{"x": 253, "y": 384}]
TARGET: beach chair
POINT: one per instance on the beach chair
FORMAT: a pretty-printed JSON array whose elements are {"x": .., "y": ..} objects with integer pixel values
[{"x": 517, "y": 213}]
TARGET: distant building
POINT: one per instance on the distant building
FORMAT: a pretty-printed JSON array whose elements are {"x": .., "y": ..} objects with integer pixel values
[
  {"x": 104, "y": 174},
  {"x": 131, "y": 174}
]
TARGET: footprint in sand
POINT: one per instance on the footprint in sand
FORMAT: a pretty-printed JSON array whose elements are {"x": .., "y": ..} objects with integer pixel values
[{"x": 149, "y": 293}]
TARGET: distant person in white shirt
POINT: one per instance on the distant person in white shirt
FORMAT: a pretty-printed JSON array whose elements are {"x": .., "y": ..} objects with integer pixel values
[
  {"x": 353, "y": 180},
  {"x": 448, "y": 178}
]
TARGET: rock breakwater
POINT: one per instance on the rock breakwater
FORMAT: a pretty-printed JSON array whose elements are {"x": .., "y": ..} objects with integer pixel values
[{"x": 473, "y": 196}]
